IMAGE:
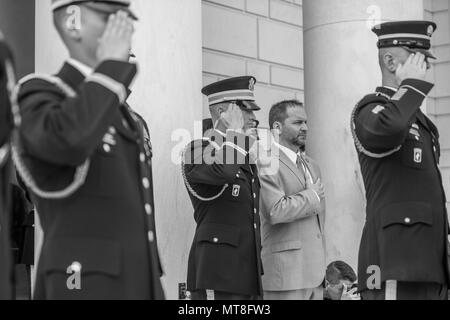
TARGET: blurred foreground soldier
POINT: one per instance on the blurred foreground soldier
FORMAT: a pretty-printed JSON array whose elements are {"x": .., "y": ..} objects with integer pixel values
[
  {"x": 405, "y": 236},
  {"x": 6, "y": 124},
  {"x": 85, "y": 158},
  {"x": 224, "y": 262}
]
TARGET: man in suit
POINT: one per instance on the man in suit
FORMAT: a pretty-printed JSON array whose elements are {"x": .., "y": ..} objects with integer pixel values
[
  {"x": 404, "y": 242},
  {"x": 292, "y": 212},
  {"x": 85, "y": 158},
  {"x": 6, "y": 82},
  {"x": 224, "y": 261}
]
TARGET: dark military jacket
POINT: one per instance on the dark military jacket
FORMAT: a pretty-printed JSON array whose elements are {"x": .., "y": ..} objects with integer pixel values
[
  {"x": 406, "y": 228},
  {"x": 5, "y": 171},
  {"x": 225, "y": 253},
  {"x": 105, "y": 230}
]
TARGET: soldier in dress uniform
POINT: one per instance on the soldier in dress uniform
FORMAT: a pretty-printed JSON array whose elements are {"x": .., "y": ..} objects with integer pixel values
[
  {"x": 85, "y": 157},
  {"x": 6, "y": 125},
  {"x": 406, "y": 229},
  {"x": 222, "y": 181}
]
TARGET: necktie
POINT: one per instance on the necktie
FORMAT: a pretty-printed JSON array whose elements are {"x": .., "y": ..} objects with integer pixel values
[{"x": 302, "y": 166}]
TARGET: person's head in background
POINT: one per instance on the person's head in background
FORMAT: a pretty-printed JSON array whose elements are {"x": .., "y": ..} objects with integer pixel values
[
  {"x": 288, "y": 122},
  {"x": 338, "y": 275}
]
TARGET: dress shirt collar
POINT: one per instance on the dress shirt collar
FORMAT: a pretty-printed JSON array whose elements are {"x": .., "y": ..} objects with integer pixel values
[{"x": 290, "y": 154}]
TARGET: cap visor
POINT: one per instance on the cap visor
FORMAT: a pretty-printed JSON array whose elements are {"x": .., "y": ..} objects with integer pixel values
[
  {"x": 423, "y": 51},
  {"x": 110, "y": 8},
  {"x": 251, "y": 105}
]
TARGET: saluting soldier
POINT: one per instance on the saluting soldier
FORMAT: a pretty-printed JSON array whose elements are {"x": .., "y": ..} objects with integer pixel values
[
  {"x": 222, "y": 180},
  {"x": 406, "y": 229},
  {"x": 84, "y": 155},
  {"x": 6, "y": 125}
]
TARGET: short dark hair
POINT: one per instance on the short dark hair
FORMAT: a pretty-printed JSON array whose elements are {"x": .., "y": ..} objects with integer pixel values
[
  {"x": 278, "y": 112},
  {"x": 339, "y": 270}
]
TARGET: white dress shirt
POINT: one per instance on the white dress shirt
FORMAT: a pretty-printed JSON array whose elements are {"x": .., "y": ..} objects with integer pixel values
[{"x": 293, "y": 157}]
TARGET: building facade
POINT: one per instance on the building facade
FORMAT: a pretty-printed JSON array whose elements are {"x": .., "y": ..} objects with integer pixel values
[{"x": 320, "y": 52}]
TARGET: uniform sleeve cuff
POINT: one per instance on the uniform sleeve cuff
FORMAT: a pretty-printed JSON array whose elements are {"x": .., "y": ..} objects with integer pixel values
[
  {"x": 420, "y": 86},
  {"x": 122, "y": 72}
]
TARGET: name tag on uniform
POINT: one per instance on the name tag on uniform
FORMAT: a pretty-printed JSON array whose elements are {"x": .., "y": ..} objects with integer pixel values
[
  {"x": 418, "y": 155},
  {"x": 236, "y": 190}
]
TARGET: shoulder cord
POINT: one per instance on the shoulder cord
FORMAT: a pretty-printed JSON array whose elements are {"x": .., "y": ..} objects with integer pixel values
[
  {"x": 16, "y": 148},
  {"x": 359, "y": 145},
  {"x": 188, "y": 185}
]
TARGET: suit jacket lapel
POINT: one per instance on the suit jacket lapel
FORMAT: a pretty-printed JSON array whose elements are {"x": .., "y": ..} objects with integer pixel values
[{"x": 288, "y": 163}]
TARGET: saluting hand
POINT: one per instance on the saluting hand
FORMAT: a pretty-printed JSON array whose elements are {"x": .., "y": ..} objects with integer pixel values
[
  {"x": 414, "y": 68},
  {"x": 233, "y": 118},
  {"x": 115, "y": 44}
]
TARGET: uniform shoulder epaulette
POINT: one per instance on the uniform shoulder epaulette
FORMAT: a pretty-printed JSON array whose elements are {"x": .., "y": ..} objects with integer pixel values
[
  {"x": 369, "y": 99},
  {"x": 17, "y": 149},
  {"x": 40, "y": 82},
  {"x": 192, "y": 147}
]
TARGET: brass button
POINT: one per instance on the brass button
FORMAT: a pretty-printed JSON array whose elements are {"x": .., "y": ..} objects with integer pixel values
[
  {"x": 215, "y": 240},
  {"x": 148, "y": 209},
  {"x": 256, "y": 227},
  {"x": 107, "y": 148},
  {"x": 151, "y": 236},
  {"x": 407, "y": 220},
  {"x": 254, "y": 195},
  {"x": 142, "y": 157},
  {"x": 112, "y": 130},
  {"x": 146, "y": 183}
]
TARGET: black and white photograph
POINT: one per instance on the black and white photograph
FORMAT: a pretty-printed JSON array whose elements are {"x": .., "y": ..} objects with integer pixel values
[{"x": 240, "y": 151}]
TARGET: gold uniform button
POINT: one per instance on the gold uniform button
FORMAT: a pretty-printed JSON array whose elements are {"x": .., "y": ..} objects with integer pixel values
[
  {"x": 254, "y": 195},
  {"x": 255, "y": 211},
  {"x": 148, "y": 209},
  {"x": 407, "y": 220},
  {"x": 107, "y": 148},
  {"x": 112, "y": 130},
  {"x": 151, "y": 236},
  {"x": 215, "y": 240},
  {"x": 256, "y": 227},
  {"x": 142, "y": 157},
  {"x": 146, "y": 183}
]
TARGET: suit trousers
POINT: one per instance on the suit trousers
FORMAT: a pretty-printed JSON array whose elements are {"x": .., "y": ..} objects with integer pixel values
[
  {"x": 408, "y": 291},
  {"x": 302, "y": 294}
]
